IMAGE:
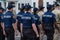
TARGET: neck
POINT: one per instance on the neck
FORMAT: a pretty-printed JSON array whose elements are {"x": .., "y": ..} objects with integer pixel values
[
  {"x": 28, "y": 11},
  {"x": 10, "y": 10}
]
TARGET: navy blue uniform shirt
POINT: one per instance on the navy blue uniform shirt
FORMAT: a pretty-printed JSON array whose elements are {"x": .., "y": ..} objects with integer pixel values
[
  {"x": 19, "y": 15},
  {"x": 48, "y": 19},
  {"x": 27, "y": 20},
  {"x": 37, "y": 19},
  {"x": 1, "y": 17},
  {"x": 9, "y": 19}
]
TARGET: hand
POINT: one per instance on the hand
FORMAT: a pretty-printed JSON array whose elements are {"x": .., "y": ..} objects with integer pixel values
[
  {"x": 16, "y": 32},
  {"x": 37, "y": 35},
  {"x": 4, "y": 33},
  {"x": 21, "y": 34}
]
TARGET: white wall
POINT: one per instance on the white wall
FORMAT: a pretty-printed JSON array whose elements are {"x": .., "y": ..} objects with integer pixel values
[
  {"x": 30, "y": 2},
  {"x": 2, "y": 4},
  {"x": 26, "y": 1}
]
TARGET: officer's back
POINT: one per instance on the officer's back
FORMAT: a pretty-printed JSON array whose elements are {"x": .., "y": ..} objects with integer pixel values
[
  {"x": 48, "y": 20},
  {"x": 27, "y": 20},
  {"x": 19, "y": 15},
  {"x": 8, "y": 18},
  {"x": 29, "y": 27},
  {"x": 9, "y": 22}
]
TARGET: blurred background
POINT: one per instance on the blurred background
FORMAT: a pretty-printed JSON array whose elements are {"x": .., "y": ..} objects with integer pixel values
[{"x": 34, "y": 3}]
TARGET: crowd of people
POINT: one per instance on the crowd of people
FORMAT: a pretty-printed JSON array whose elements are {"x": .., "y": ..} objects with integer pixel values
[{"x": 31, "y": 25}]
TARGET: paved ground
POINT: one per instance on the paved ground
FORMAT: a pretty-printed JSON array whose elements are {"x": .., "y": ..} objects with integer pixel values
[{"x": 18, "y": 38}]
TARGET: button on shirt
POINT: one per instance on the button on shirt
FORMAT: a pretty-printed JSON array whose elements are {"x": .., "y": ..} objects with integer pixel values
[
  {"x": 48, "y": 20},
  {"x": 9, "y": 19},
  {"x": 27, "y": 20}
]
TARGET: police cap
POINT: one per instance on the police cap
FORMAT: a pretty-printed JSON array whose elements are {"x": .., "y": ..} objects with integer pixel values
[
  {"x": 1, "y": 8},
  {"x": 35, "y": 9},
  {"x": 28, "y": 6},
  {"x": 10, "y": 6},
  {"x": 49, "y": 7}
]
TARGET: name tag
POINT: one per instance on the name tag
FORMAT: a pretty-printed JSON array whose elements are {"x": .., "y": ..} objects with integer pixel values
[
  {"x": 7, "y": 16},
  {"x": 47, "y": 16},
  {"x": 19, "y": 15},
  {"x": 26, "y": 17}
]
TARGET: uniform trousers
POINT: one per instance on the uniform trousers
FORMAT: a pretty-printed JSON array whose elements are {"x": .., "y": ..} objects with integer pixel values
[
  {"x": 49, "y": 34},
  {"x": 2, "y": 37},
  {"x": 9, "y": 33},
  {"x": 29, "y": 34}
]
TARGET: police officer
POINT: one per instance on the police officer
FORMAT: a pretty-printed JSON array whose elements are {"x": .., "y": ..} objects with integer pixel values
[
  {"x": 9, "y": 23},
  {"x": 56, "y": 11},
  {"x": 19, "y": 15},
  {"x": 2, "y": 37},
  {"x": 48, "y": 22},
  {"x": 37, "y": 20},
  {"x": 28, "y": 27}
]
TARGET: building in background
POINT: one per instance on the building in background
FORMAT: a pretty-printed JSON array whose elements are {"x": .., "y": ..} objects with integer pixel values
[{"x": 19, "y": 3}]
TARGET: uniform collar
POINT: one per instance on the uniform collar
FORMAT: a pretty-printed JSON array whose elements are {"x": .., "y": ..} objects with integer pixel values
[
  {"x": 10, "y": 11},
  {"x": 27, "y": 12},
  {"x": 49, "y": 11},
  {"x": 22, "y": 11}
]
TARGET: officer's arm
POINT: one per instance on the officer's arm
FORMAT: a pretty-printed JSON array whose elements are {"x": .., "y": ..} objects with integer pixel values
[
  {"x": 21, "y": 27},
  {"x": 14, "y": 26},
  {"x": 14, "y": 23},
  {"x": 34, "y": 26},
  {"x": 2, "y": 22},
  {"x": 2, "y": 25},
  {"x": 35, "y": 29}
]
